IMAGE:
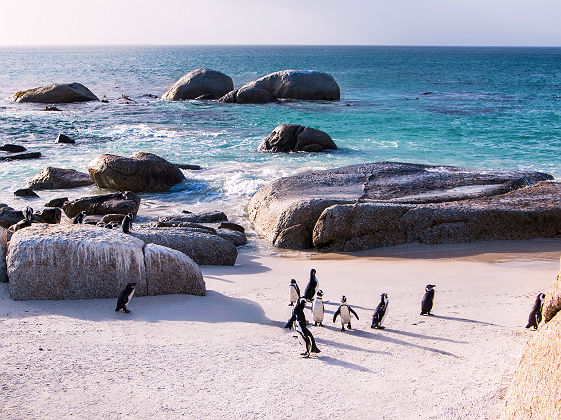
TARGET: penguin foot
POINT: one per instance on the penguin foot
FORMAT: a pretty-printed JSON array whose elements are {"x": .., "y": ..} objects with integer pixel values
[
  {"x": 343, "y": 329},
  {"x": 349, "y": 326},
  {"x": 316, "y": 350},
  {"x": 380, "y": 327},
  {"x": 320, "y": 324},
  {"x": 128, "y": 311}
]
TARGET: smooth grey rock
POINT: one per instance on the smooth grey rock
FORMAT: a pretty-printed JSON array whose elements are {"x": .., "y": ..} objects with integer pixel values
[
  {"x": 232, "y": 226},
  {"x": 235, "y": 237},
  {"x": 25, "y": 192},
  {"x": 56, "y": 93},
  {"x": 142, "y": 172},
  {"x": 108, "y": 218},
  {"x": 199, "y": 82},
  {"x": 207, "y": 217},
  {"x": 56, "y": 202},
  {"x": 249, "y": 95},
  {"x": 52, "y": 178},
  {"x": 62, "y": 138},
  {"x": 13, "y": 148},
  {"x": 121, "y": 203},
  {"x": 230, "y": 97},
  {"x": 552, "y": 303},
  {"x": 52, "y": 215},
  {"x": 187, "y": 166},
  {"x": 296, "y": 138},
  {"x": 93, "y": 219},
  {"x": 21, "y": 156},
  {"x": 9, "y": 216}
]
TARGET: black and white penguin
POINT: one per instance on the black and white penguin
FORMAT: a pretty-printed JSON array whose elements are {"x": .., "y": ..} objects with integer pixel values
[
  {"x": 428, "y": 299},
  {"x": 79, "y": 218},
  {"x": 312, "y": 286},
  {"x": 345, "y": 312},
  {"x": 380, "y": 312},
  {"x": 26, "y": 222},
  {"x": 28, "y": 214},
  {"x": 125, "y": 297},
  {"x": 294, "y": 292},
  {"x": 305, "y": 340},
  {"x": 298, "y": 321},
  {"x": 317, "y": 309},
  {"x": 127, "y": 223},
  {"x": 536, "y": 315}
]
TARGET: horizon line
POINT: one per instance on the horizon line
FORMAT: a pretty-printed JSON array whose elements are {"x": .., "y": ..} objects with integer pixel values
[{"x": 275, "y": 45}]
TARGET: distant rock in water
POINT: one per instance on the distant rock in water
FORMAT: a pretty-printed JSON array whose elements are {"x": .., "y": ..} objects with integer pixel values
[
  {"x": 298, "y": 84},
  {"x": 21, "y": 156},
  {"x": 52, "y": 178},
  {"x": 56, "y": 93},
  {"x": 62, "y": 138},
  {"x": 142, "y": 172},
  {"x": 52, "y": 108},
  {"x": 12, "y": 148},
  {"x": 296, "y": 138},
  {"x": 200, "y": 83},
  {"x": 25, "y": 192},
  {"x": 187, "y": 166},
  {"x": 249, "y": 95},
  {"x": 388, "y": 203},
  {"x": 117, "y": 203}
]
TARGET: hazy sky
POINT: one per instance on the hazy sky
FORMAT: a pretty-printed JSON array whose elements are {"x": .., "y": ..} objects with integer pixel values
[{"x": 376, "y": 22}]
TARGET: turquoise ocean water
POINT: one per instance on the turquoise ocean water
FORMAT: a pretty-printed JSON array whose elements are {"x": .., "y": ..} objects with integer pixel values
[{"x": 488, "y": 108}]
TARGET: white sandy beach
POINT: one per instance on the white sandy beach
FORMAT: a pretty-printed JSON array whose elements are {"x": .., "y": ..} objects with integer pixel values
[{"x": 226, "y": 355}]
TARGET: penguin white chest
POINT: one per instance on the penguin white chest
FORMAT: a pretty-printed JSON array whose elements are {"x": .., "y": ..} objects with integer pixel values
[
  {"x": 317, "y": 310},
  {"x": 385, "y": 313},
  {"x": 345, "y": 314},
  {"x": 293, "y": 294},
  {"x": 130, "y": 296}
]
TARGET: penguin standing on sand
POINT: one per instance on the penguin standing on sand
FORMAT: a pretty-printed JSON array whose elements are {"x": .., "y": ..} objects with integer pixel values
[
  {"x": 317, "y": 309},
  {"x": 428, "y": 299},
  {"x": 345, "y": 312},
  {"x": 294, "y": 292},
  {"x": 536, "y": 315},
  {"x": 125, "y": 297},
  {"x": 312, "y": 286},
  {"x": 127, "y": 223},
  {"x": 298, "y": 320},
  {"x": 380, "y": 312},
  {"x": 79, "y": 218}
]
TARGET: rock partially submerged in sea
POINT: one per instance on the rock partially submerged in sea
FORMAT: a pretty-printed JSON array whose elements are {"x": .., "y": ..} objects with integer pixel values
[
  {"x": 21, "y": 156},
  {"x": 248, "y": 95},
  {"x": 296, "y": 138},
  {"x": 200, "y": 83},
  {"x": 64, "y": 139},
  {"x": 116, "y": 203},
  {"x": 388, "y": 203},
  {"x": 12, "y": 148},
  {"x": 142, "y": 172},
  {"x": 52, "y": 178},
  {"x": 297, "y": 84},
  {"x": 25, "y": 192},
  {"x": 82, "y": 262},
  {"x": 535, "y": 390},
  {"x": 56, "y": 93}
]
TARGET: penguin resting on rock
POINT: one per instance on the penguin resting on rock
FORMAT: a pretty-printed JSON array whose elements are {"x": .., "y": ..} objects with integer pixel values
[
  {"x": 298, "y": 320},
  {"x": 312, "y": 286},
  {"x": 428, "y": 299},
  {"x": 125, "y": 297},
  {"x": 345, "y": 311},
  {"x": 317, "y": 309},
  {"x": 294, "y": 292},
  {"x": 380, "y": 312},
  {"x": 536, "y": 315},
  {"x": 26, "y": 222},
  {"x": 127, "y": 223},
  {"x": 79, "y": 218}
]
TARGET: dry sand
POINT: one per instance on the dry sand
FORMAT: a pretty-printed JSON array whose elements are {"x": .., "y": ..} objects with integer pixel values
[{"x": 227, "y": 355}]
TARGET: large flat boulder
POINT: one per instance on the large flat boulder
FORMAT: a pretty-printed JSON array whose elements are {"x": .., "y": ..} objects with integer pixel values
[
  {"x": 52, "y": 178},
  {"x": 202, "y": 247},
  {"x": 388, "y": 203},
  {"x": 249, "y": 95},
  {"x": 142, "y": 172},
  {"x": 56, "y": 93},
  {"x": 171, "y": 272},
  {"x": 298, "y": 84},
  {"x": 116, "y": 203},
  {"x": 296, "y": 138},
  {"x": 206, "y": 83}
]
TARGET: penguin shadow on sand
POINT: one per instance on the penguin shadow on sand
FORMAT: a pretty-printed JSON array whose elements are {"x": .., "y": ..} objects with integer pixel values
[
  {"x": 337, "y": 362},
  {"x": 473, "y": 321}
]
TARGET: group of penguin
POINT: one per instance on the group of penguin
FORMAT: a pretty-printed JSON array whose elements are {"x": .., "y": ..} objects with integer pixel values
[{"x": 125, "y": 224}]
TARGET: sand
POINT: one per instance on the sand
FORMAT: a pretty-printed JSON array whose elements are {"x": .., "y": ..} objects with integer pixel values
[{"x": 226, "y": 355}]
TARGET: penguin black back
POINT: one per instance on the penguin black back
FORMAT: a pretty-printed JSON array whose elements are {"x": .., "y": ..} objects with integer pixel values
[
  {"x": 380, "y": 312},
  {"x": 126, "y": 223},
  {"x": 28, "y": 214},
  {"x": 125, "y": 297},
  {"x": 312, "y": 286},
  {"x": 536, "y": 314},
  {"x": 79, "y": 218},
  {"x": 428, "y": 299}
]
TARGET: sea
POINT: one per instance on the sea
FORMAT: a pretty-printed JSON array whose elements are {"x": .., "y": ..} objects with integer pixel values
[{"x": 483, "y": 108}]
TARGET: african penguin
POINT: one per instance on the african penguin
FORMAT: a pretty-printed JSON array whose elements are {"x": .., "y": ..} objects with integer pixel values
[
  {"x": 125, "y": 297},
  {"x": 79, "y": 218},
  {"x": 380, "y": 312},
  {"x": 294, "y": 292},
  {"x": 28, "y": 214},
  {"x": 26, "y": 222},
  {"x": 345, "y": 312},
  {"x": 312, "y": 286},
  {"x": 428, "y": 299},
  {"x": 304, "y": 340},
  {"x": 317, "y": 309},
  {"x": 536, "y": 315},
  {"x": 126, "y": 223},
  {"x": 298, "y": 321}
]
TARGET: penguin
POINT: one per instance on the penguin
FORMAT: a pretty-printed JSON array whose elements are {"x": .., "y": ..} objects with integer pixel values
[
  {"x": 380, "y": 312},
  {"x": 126, "y": 223},
  {"x": 298, "y": 321},
  {"x": 536, "y": 315},
  {"x": 312, "y": 286},
  {"x": 345, "y": 311},
  {"x": 304, "y": 340},
  {"x": 79, "y": 218},
  {"x": 125, "y": 297},
  {"x": 26, "y": 222},
  {"x": 28, "y": 214},
  {"x": 294, "y": 292},
  {"x": 317, "y": 309},
  {"x": 426, "y": 304}
]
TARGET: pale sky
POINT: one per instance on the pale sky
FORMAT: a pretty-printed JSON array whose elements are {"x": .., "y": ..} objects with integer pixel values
[{"x": 370, "y": 22}]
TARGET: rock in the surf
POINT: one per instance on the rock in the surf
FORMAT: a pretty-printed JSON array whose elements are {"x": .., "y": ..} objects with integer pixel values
[
  {"x": 116, "y": 203},
  {"x": 21, "y": 156},
  {"x": 249, "y": 95},
  {"x": 25, "y": 192},
  {"x": 298, "y": 84},
  {"x": 12, "y": 148},
  {"x": 296, "y": 138},
  {"x": 142, "y": 172},
  {"x": 52, "y": 178},
  {"x": 63, "y": 138},
  {"x": 206, "y": 217},
  {"x": 56, "y": 93},
  {"x": 210, "y": 84}
]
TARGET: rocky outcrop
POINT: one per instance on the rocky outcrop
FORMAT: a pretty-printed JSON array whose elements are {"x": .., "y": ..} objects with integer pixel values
[
  {"x": 21, "y": 156},
  {"x": 56, "y": 202},
  {"x": 3, "y": 252},
  {"x": 63, "y": 138},
  {"x": 200, "y": 83},
  {"x": 249, "y": 95},
  {"x": 117, "y": 203},
  {"x": 52, "y": 215},
  {"x": 207, "y": 217},
  {"x": 535, "y": 390},
  {"x": 9, "y": 216},
  {"x": 202, "y": 247},
  {"x": 81, "y": 262},
  {"x": 382, "y": 204},
  {"x": 25, "y": 192},
  {"x": 297, "y": 84},
  {"x": 232, "y": 236},
  {"x": 52, "y": 178},
  {"x": 552, "y": 303},
  {"x": 12, "y": 148},
  {"x": 56, "y": 93},
  {"x": 142, "y": 172},
  {"x": 296, "y": 138}
]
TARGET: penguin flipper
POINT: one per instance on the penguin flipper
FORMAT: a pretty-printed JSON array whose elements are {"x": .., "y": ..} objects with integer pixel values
[
  {"x": 336, "y": 314},
  {"x": 354, "y": 313}
]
